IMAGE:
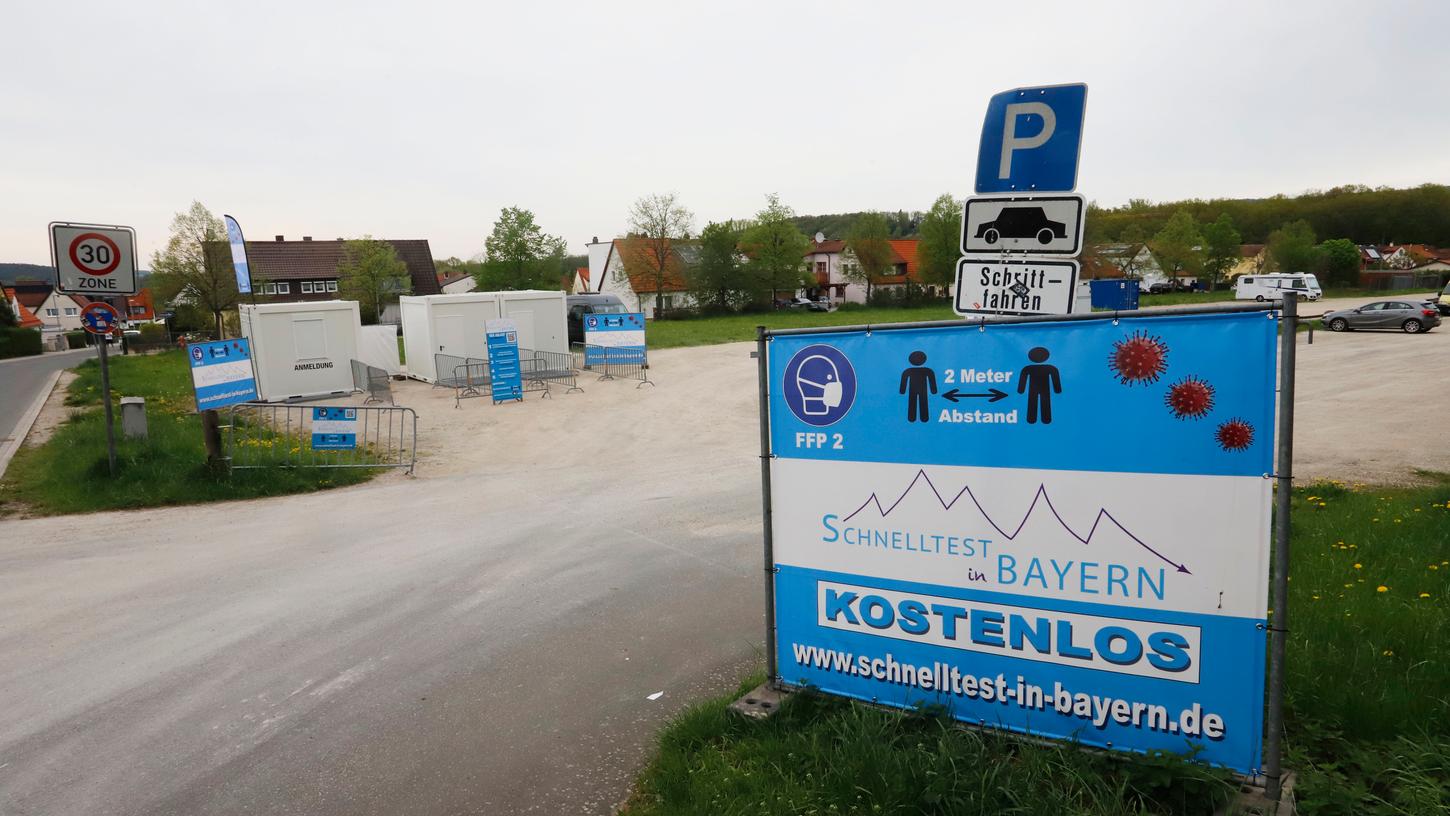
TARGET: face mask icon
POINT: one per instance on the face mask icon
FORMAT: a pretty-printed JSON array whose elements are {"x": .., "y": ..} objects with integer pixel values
[{"x": 819, "y": 383}]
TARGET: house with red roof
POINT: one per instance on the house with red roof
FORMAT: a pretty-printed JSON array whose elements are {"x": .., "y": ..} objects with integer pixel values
[
  {"x": 27, "y": 318},
  {"x": 833, "y": 265},
  {"x": 629, "y": 272}
]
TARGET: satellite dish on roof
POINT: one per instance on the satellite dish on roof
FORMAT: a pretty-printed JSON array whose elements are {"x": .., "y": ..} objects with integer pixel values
[{"x": 820, "y": 237}]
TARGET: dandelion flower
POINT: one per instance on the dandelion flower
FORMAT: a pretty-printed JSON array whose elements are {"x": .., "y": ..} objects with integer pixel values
[
  {"x": 1424, "y": 594},
  {"x": 1322, "y": 504},
  {"x": 1388, "y": 653},
  {"x": 1359, "y": 566},
  {"x": 1381, "y": 588}
]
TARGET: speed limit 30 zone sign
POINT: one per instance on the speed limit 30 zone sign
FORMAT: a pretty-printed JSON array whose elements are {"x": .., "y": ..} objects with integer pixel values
[{"x": 94, "y": 259}]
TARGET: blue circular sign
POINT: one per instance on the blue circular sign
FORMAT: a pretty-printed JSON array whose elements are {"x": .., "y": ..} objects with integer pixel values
[{"x": 819, "y": 385}]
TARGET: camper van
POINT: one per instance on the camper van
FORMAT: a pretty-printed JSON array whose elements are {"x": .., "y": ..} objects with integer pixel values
[{"x": 1273, "y": 287}]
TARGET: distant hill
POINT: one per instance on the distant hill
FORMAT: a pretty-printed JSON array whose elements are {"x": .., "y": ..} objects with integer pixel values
[
  {"x": 1383, "y": 215},
  {"x": 903, "y": 224},
  {"x": 11, "y": 272}
]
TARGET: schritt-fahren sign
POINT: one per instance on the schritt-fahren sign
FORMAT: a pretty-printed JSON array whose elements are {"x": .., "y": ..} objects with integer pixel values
[
  {"x": 957, "y": 522},
  {"x": 1025, "y": 225}
]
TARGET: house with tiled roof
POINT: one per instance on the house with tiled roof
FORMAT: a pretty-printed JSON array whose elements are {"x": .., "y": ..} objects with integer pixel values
[
  {"x": 457, "y": 283},
  {"x": 57, "y": 312},
  {"x": 628, "y": 273},
  {"x": 580, "y": 282},
  {"x": 832, "y": 264},
  {"x": 27, "y": 318},
  {"x": 1250, "y": 262},
  {"x": 286, "y": 271}
]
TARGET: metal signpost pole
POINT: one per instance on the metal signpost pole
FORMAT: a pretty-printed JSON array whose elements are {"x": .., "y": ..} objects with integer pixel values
[
  {"x": 771, "y": 672},
  {"x": 1279, "y": 625},
  {"x": 106, "y": 401}
]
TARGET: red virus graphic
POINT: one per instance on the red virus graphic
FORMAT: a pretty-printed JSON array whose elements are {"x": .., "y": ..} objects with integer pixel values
[
  {"x": 1235, "y": 435},
  {"x": 1141, "y": 358},
  {"x": 1189, "y": 398}
]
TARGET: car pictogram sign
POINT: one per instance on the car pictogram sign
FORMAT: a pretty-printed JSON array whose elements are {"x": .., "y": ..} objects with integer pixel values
[{"x": 1030, "y": 225}]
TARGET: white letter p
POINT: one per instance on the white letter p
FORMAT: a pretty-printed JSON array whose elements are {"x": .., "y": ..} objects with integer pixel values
[{"x": 1010, "y": 142}]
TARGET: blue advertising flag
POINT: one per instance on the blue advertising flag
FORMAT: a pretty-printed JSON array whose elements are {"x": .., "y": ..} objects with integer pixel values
[{"x": 239, "y": 255}]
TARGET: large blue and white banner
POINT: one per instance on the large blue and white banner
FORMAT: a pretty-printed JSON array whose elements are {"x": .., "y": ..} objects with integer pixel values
[
  {"x": 1060, "y": 529},
  {"x": 613, "y": 337},
  {"x": 221, "y": 373}
]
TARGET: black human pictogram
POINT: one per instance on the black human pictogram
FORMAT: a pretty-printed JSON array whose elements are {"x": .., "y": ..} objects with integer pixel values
[
  {"x": 914, "y": 384},
  {"x": 1040, "y": 382}
]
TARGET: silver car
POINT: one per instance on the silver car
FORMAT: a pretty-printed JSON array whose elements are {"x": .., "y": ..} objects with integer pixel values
[{"x": 1407, "y": 316}]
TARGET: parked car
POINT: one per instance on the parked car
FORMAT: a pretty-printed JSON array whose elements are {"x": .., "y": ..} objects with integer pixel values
[
  {"x": 579, "y": 305},
  {"x": 1410, "y": 318},
  {"x": 819, "y": 305},
  {"x": 1021, "y": 222},
  {"x": 1442, "y": 305}
]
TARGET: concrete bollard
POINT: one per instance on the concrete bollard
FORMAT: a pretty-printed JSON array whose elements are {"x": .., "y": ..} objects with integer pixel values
[{"x": 133, "y": 417}]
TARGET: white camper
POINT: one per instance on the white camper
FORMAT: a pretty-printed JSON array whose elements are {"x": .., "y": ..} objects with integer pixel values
[
  {"x": 302, "y": 349},
  {"x": 1273, "y": 286},
  {"x": 454, "y": 325}
]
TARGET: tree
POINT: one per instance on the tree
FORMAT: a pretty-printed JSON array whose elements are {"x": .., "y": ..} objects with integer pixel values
[
  {"x": 1178, "y": 246},
  {"x": 8, "y": 319},
  {"x": 1341, "y": 261},
  {"x": 717, "y": 278},
  {"x": 871, "y": 251},
  {"x": 1133, "y": 236},
  {"x": 940, "y": 241},
  {"x": 519, "y": 255},
  {"x": 195, "y": 267},
  {"x": 1291, "y": 249},
  {"x": 776, "y": 249},
  {"x": 655, "y": 220},
  {"x": 1220, "y": 249},
  {"x": 372, "y": 274}
]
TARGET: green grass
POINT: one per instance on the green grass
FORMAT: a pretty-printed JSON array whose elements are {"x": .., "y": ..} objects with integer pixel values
[
  {"x": 1367, "y": 707},
  {"x": 68, "y": 474},
  {"x": 700, "y": 331}
]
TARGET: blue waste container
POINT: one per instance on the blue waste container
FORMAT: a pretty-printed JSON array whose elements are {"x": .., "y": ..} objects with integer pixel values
[{"x": 1119, "y": 295}]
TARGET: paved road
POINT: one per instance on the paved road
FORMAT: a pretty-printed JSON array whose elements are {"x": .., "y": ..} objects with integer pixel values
[
  {"x": 479, "y": 639},
  {"x": 21, "y": 380}
]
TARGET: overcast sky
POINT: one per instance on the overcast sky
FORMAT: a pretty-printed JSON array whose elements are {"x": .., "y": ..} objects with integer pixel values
[{"x": 423, "y": 119}]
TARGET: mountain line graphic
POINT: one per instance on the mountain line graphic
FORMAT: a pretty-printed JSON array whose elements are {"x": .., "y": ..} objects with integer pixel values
[{"x": 1041, "y": 495}]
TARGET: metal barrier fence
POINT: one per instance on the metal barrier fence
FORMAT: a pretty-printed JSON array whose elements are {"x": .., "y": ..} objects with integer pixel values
[
  {"x": 265, "y": 435},
  {"x": 372, "y": 381},
  {"x": 620, "y": 363},
  {"x": 548, "y": 367},
  {"x": 452, "y": 371}
]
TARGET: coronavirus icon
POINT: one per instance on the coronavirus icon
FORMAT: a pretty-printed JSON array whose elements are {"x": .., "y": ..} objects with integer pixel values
[
  {"x": 1189, "y": 398},
  {"x": 1235, "y": 435},
  {"x": 1139, "y": 359}
]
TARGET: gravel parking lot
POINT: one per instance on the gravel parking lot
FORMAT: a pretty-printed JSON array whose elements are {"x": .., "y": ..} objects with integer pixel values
[{"x": 486, "y": 636}]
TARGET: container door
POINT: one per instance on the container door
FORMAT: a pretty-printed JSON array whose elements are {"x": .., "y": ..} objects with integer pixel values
[{"x": 451, "y": 334}]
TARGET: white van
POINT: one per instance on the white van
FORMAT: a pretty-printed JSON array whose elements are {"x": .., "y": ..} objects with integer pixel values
[{"x": 1273, "y": 287}]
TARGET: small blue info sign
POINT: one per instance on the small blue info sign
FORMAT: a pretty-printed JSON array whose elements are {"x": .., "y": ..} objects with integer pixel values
[
  {"x": 221, "y": 373},
  {"x": 334, "y": 428},
  {"x": 503, "y": 360},
  {"x": 954, "y": 528}
]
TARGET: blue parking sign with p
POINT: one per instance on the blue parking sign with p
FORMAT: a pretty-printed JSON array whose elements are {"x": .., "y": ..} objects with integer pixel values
[{"x": 1031, "y": 139}]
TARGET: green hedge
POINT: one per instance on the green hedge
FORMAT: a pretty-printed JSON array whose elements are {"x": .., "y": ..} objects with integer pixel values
[
  {"x": 76, "y": 339},
  {"x": 15, "y": 342}
]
